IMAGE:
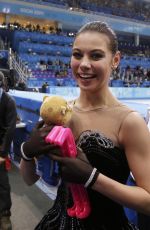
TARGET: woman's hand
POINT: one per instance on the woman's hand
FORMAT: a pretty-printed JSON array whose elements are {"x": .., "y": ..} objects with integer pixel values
[
  {"x": 36, "y": 145},
  {"x": 74, "y": 170},
  {"x": 2, "y": 160}
]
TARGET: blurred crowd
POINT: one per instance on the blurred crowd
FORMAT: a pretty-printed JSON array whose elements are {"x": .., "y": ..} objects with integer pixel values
[
  {"x": 131, "y": 76},
  {"x": 139, "y": 10},
  {"x": 135, "y": 9},
  {"x": 58, "y": 69}
]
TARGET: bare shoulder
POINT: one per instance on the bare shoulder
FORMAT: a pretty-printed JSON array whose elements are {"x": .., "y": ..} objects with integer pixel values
[
  {"x": 133, "y": 120},
  {"x": 134, "y": 136},
  {"x": 133, "y": 126}
]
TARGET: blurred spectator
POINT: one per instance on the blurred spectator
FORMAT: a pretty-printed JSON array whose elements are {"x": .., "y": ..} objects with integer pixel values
[
  {"x": 1, "y": 44},
  {"x": 21, "y": 86},
  {"x": 8, "y": 117},
  {"x": 45, "y": 87}
]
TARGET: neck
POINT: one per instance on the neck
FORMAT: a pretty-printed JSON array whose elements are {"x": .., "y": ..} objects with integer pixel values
[{"x": 97, "y": 100}]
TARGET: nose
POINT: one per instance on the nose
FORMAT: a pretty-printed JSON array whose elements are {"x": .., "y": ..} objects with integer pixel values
[{"x": 85, "y": 63}]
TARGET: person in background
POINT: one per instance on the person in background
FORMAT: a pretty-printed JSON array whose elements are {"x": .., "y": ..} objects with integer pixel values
[
  {"x": 21, "y": 85},
  {"x": 45, "y": 86},
  {"x": 112, "y": 140},
  {"x": 8, "y": 116}
]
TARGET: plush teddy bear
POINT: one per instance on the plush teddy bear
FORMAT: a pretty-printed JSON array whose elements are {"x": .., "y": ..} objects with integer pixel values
[{"x": 55, "y": 110}]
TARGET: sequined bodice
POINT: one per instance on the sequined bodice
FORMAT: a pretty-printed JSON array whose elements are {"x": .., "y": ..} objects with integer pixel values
[{"x": 103, "y": 155}]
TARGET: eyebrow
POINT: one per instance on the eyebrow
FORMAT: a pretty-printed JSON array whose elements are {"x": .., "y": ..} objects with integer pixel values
[
  {"x": 76, "y": 49},
  {"x": 99, "y": 50},
  {"x": 95, "y": 50}
]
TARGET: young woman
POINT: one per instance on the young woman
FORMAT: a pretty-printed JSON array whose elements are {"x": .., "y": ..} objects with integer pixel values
[{"x": 112, "y": 141}]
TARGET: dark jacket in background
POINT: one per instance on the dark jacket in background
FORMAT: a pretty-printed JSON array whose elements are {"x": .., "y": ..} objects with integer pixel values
[{"x": 8, "y": 116}]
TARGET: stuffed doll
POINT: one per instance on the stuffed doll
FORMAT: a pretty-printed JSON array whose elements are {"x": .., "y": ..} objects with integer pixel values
[{"x": 55, "y": 110}]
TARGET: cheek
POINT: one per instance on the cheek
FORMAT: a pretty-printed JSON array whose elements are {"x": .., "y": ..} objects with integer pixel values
[
  {"x": 74, "y": 64},
  {"x": 100, "y": 68},
  {"x": 104, "y": 66},
  {"x": 103, "y": 71}
]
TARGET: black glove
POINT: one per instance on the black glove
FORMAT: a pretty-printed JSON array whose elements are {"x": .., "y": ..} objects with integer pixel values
[
  {"x": 77, "y": 170},
  {"x": 36, "y": 144}
]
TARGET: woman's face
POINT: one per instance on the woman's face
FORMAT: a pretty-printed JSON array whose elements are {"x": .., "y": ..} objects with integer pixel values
[{"x": 92, "y": 60}]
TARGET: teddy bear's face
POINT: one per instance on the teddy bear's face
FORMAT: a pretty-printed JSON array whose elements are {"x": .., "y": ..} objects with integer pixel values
[{"x": 55, "y": 110}]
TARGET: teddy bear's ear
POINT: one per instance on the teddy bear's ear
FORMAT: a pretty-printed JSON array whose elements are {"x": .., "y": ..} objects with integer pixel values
[{"x": 44, "y": 98}]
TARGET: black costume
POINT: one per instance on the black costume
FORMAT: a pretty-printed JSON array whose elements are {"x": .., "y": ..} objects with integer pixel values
[{"x": 105, "y": 155}]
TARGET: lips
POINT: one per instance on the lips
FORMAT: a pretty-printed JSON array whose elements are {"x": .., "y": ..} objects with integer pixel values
[{"x": 86, "y": 76}]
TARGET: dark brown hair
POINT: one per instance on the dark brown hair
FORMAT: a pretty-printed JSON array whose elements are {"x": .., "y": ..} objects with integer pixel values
[{"x": 101, "y": 27}]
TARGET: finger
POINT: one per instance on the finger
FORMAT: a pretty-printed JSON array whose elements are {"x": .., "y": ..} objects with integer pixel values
[
  {"x": 79, "y": 149},
  {"x": 45, "y": 130},
  {"x": 2, "y": 159},
  {"x": 39, "y": 124},
  {"x": 51, "y": 146},
  {"x": 44, "y": 133},
  {"x": 51, "y": 149},
  {"x": 81, "y": 155},
  {"x": 56, "y": 152},
  {"x": 57, "y": 158}
]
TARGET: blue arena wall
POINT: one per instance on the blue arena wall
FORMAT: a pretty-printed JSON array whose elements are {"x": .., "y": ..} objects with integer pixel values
[
  {"x": 120, "y": 93},
  {"x": 28, "y": 103},
  {"x": 72, "y": 92}
]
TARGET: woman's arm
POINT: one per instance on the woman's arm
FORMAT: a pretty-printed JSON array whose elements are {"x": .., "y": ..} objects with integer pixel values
[
  {"x": 28, "y": 171},
  {"x": 34, "y": 147},
  {"x": 134, "y": 197},
  {"x": 135, "y": 137}
]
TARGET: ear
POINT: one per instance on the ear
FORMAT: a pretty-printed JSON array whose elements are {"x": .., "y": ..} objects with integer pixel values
[{"x": 116, "y": 59}]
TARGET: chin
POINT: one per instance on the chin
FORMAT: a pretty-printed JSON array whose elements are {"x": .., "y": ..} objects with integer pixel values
[{"x": 87, "y": 88}]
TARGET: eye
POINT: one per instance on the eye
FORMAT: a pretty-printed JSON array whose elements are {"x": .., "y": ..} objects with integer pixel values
[
  {"x": 97, "y": 56},
  {"x": 77, "y": 55}
]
